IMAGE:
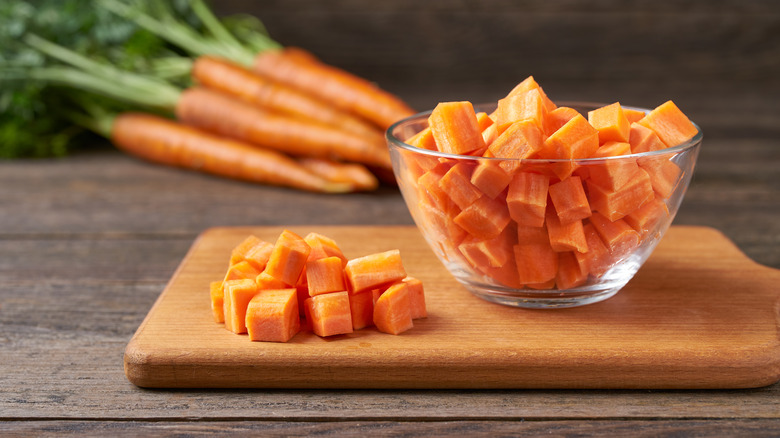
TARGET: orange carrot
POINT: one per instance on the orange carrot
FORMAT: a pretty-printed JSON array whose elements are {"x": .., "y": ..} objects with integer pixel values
[
  {"x": 324, "y": 275},
  {"x": 485, "y": 218},
  {"x": 455, "y": 128},
  {"x": 644, "y": 139},
  {"x": 493, "y": 252},
  {"x": 392, "y": 310},
  {"x": 523, "y": 106},
  {"x": 569, "y": 272},
  {"x": 530, "y": 83},
  {"x": 456, "y": 183},
  {"x": 361, "y": 307},
  {"x": 237, "y": 80},
  {"x": 611, "y": 123},
  {"x": 568, "y": 197},
  {"x": 354, "y": 175},
  {"x": 238, "y": 293},
  {"x": 272, "y": 316},
  {"x": 670, "y": 124},
  {"x": 323, "y": 246},
  {"x": 238, "y": 253},
  {"x": 241, "y": 270},
  {"x": 536, "y": 262},
  {"x": 557, "y": 118},
  {"x": 519, "y": 140},
  {"x": 264, "y": 281},
  {"x": 664, "y": 174},
  {"x": 374, "y": 270},
  {"x": 208, "y": 110},
  {"x": 575, "y": 139},
  {"x": 565, "y": 237},
  {"x": 329, "y": 314},
  {"x": 527, "y": 198},
  {"x": 612, "y": 174},
  {"x": 633, "y": 115},
  {"x": 288, "y": 258},
  {"x": 416, "y": 297},
  {"x": 618, "y": 235},
  {"x": 333, "y": 85},
  {"x": 645, "y": 218},
  {"x": 615, "y": 204},
  {"x": 217, "y": 293},
  {"x": 597, "y": 260},
  {"x": 423, "y": 140},
  {"x": 490, "y": 178},
  {"x": 258, "y": 255},
  {"x": 166, "y": 142}
]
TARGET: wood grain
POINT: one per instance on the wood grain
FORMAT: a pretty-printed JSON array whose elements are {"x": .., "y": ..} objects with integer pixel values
[{"x": 698, "y": 315}]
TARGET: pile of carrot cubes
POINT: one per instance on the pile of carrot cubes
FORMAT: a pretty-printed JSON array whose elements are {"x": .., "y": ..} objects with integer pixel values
[
  {"x": 544, "y": 225},
  {"x": 269, "y": 288}
]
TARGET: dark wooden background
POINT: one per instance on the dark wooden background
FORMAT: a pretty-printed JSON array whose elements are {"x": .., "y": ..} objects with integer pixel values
[{"x": 88, "y": 242}]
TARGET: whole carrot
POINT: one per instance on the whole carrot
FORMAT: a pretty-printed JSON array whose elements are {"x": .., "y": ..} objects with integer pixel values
[
  {"x": 354, "y": 174},
  {"x": 236, "y": 80},
  {"x": 164, "y": 141},
  {"x": 336, "y": 86},
  {"x": 223, "y": 115}
]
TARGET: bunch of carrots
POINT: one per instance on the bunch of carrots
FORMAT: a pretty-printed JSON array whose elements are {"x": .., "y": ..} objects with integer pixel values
[{"x": 254, "y": 110}]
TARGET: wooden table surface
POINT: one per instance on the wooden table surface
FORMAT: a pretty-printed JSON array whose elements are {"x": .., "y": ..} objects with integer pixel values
[{"x": 88, "y": 242}]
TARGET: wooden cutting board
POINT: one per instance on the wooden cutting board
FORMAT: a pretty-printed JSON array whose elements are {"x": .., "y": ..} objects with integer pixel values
[{"x": 699, "y": 314}]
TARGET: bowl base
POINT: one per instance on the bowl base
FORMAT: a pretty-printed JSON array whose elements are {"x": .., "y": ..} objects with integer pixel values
[{"x": 542, "y": 299}]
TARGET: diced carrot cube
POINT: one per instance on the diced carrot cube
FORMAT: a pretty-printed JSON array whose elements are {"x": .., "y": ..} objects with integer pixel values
[
  {"x": 238, "y": 293},
  {"x": 416, "y": 297},
  {"x": 417, "y": 165},
  {"x": 456, "y": 130},
  {"x": 490, "y": 134},
  {"x": 323, "y": 246},
  {"x": 485, "y": 218},
  {"x": 611, "y": 123},
  {"x": 536, "y": 262},
  {"x": 670, "y": 124},
  {"x": 456, "y": 183},
  {"x": 569, "y": 274},
  {"x": 484, "y": 121},
  {"x": 361, "y": 307},
  {"x": 557, "y": 118},
  {"x": 288, "y": 258},
  {"x": 493, "y": 252},
  {"x": 329, "y": 314},
  {"x": 527, "y": 235},
  {"x": 259, "y": 254},
  {"x": 239, "y": 252},
  {"x": 526, "y": 198},
  {"x": 241, "y": 270},
  {"x": 272, "y": 316},
  {"x": 375, "y": 270},
  {"x": 217, "y": 294},
  {"x": 597, "y": 260},
  {"x": 616, "y": 204},
  {"x": 565, "y": 237},
  {"x": 643, "y": 139},
  {"x": 612, "y": 174},
  {"x": 618, "y": 235},
  {"x": 520, "y": 140},
  {"x": 325, "y": 275},
  {"x": 525, "y": 106},
  {"x": 504, "y": 275},
  {"x": 633, "y": 115},
  {"x": 530, "y": 83},
  {"x": 664, "y": 174},
  {"x": 439, "y": 223},
  {"x": 575, "y": 139},
  {"x": 490, "y": 178},
  {"x": 392, "y": 310},
  {"x": 568, "y": 197},
  {"x": 265, "y": 281},
  {"x": 645, "y": 218},
  {"x": 428, "y": 185},
  {"x": 423, "y": 140}
]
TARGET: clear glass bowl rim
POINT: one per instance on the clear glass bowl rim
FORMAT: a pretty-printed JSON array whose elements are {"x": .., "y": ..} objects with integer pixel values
[{"x": 394, "y": 141}]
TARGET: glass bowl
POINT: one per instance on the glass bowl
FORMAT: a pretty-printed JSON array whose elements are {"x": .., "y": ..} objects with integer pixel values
[{"x": 495, "y": 249}]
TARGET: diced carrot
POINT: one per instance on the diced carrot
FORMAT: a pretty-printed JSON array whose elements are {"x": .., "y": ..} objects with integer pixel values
[
  {"x": 633, "y": 115},
  {"x": 505, "y": 275},
  {"x": 568, "y": 197},
  {"x": 455, "y": 128},
  {"x": 241, "y": 270},
  {"x": 484, "y": 121},
  {"x": 238, "y": 293},
  {"x": 259, "y": 254},
  {"x": 423, "y": 140},
  {"x": 565, "y": 237},
  {"x": 520, "y": 140},
  {"x": 325, "y": 275},
  {"x": 288, "y": 258},
  {"x": 239, "y": 252},
  {"x": 416, "y": 297},
  {"x": 536, "y": 262},
  {"x": 439, "y": 223},
  {"x": 557, "y": 118},
  {"x": 217, "y": 294},
  {"x": 264, "y": 281},
  {"x": 490, "y": 178},
  {"x": 361, "y": 307},
  {"x": 456, "y": 183},
  {"x": 612, "y": 174},
  {"x": 664, "y": 174},
  {"x": 329, "y": 314},
  {"x": 611, "y": 123},
  {"x": 645, "y": 218},
  {"x": 416, "y": 165},
  {"x": 485, "y": 218},
  {"x": 530, "y": 83},
  {"x": 272, "y": 316},
  {"x": 428, "y": 185},
  {"x": 618, "y": 235},
  {"x": 490, "y": 134},
  {"x": 493, "y": 252},
  {"x": 670, "y": 124},
  {"x": 616, "y": 204},
  {"x": 597, "y": 260},
  {"x": 575, "y": 139},
  {"x": 323, "y": 246},
  {"x": 644, "y": 139},
  {"x": 524, "y": 106},
  {"x": 392, "y": 310},
  {"x": 375, "y": 270},
  {"x": 549, "y": 284},
  {"x": 569, "y": 274},
  {"x": 526, "y": 198},
  {"x": 528, "y": 235}
]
